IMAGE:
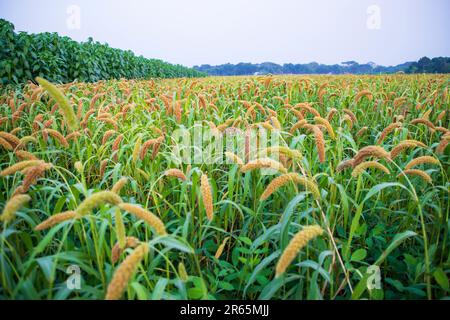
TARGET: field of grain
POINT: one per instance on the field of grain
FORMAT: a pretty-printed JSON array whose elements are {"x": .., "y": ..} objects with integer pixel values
[{"x": 350, "y": 202}]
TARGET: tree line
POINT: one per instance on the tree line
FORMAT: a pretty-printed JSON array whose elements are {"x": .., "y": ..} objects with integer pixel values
[{"x": 424, "y": 65}]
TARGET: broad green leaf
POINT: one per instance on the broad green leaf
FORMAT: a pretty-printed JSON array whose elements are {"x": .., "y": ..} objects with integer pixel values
[
  {"x": 260, "y": 267},
  {"x": 141, "y": 291},
  {"x": 358, "y": 255},
  {"x": 441, "y": 278},
  {"x": 173, "y": 243},
  {"x": 159, "y": 289}
]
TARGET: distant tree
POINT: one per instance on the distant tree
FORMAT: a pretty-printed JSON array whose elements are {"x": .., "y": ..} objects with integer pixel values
[{"x": 425, "y": 64}]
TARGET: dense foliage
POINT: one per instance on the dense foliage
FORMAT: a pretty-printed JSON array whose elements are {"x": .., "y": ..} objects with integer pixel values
[
  {"x": 60, "y": 59},
  {"x": 385, "y": 221},
  {"x": 427, "y": 65},
  {"x": 289, "y": 68}
]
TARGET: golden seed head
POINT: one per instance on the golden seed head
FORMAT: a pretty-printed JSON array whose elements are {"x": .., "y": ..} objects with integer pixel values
[
  {"x": 150, "y": 143},
  {"x": 137, "y": 149},
  {"x": 370, "y": 151},
  {"x": 177, "y": 173},
  {"x": 125, "y": 271},
  {"x": 58, "y": 136},
  {"x": 151, "y": 219},
  {"x": 388, "y": 130},
  {"x": 320, "y": 143},
  {"x": 116, "y": 251},
  {"x": 299, "y": 241},
  {"x": 416, "y": 172},
  {"x": 284, "y": 179},
  {"x": 234, "y": 158},
  {"x": 363, "y": 93},
  {"x": 56, "y": 219},
  {"x": 293, "y": 154},
  {"x": 20, "y": 166},
  {"x": 32, "y": 174},
  {"x": 119, "y": 185},
  {"x": 79, "y": 167},
  {"x": 421, "y": 160},
  {"x": 263, "y": 163},
  {"x": 426, "y": 115},
  {"x": 62, "y": 102},
  {"x": 207, "y": 198},
  {"x": 441, "y": 116},
  {"x": 119, "y": 228},
  {"x": 361, "y": 131},
  {"x": 107, "y": 135},
  {"x": 97, "y": 199},
  {"x": 426, "y": 122},
  {"x": 182, "y": 272},
  {"x": 276, "y": 123},
  {"x": 415, "y": 142},
  {"x": 331, "y": 114},
  {"x": 5, "y": 144},
  {"x": 12, "y": 139},
  {"x": 25, "y": 155},
  {"x": 306, "y": 107},
  {"x": 441, "y": 146},
  {"x": 351, "y": 115},
  {"x": 13, "y": 205},
  {"x": 402, "y": 146},
  {"x": 221, "y": 248},
  {"x": 300, "y": 124},
  {"x": 327, "y": 125},
  {"x": 344, "y": 165},
  {"x": 366, "y": 165}
]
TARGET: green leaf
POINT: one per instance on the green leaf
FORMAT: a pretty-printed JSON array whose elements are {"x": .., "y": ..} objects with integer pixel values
[
  {"x": 398, "y": 239},
  {"x": 246, "y": 240},
  {"x": 47, "y": 264},
  {"x": 382, "y": 186},
  {"x": 315, "y": 266},
  {"x": 158, "y": 291},
  {"x": 141, "y": 291},
  {"x": 358, "y": 255},
  {"x": 286, "y": 219},
  {"x": 355, "y": 221},
  {"x": 47, "y": 239},
  {"x": 260, "y": 267},
  {"x": 271, "y": 288},
  {"x": 199, "y": 291},
  {"x": 226, "y": 286},
  {"x": 173, "y": 243},
  {"x": 441, "y": 278},
  {"x": 195, "y": 293}
]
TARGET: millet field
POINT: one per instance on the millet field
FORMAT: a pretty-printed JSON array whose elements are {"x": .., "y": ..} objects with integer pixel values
[{"x": 94, "y": 204}]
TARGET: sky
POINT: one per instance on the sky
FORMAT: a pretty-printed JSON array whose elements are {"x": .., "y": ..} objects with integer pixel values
[{"x": 195, "y": 32}]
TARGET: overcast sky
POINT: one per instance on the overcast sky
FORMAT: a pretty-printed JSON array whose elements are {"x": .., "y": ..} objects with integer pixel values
[{"x": 193, "y": 32}]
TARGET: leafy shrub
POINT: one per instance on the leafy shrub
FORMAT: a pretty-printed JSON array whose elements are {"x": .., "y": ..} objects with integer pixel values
[{"x": 25, "y": 56}]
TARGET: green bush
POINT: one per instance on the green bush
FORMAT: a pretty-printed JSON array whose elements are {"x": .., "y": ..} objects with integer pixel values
[{"x": 25, "y": 56}]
